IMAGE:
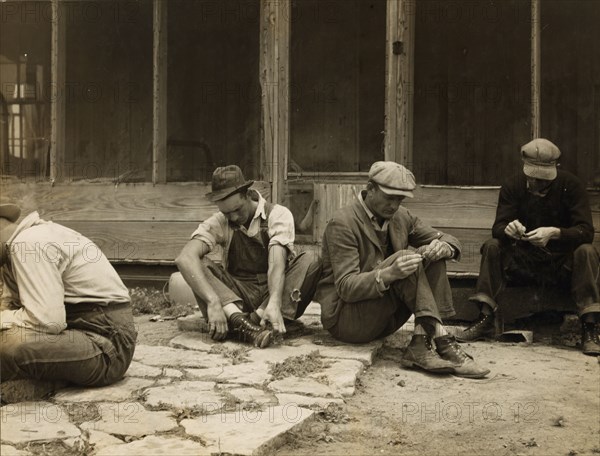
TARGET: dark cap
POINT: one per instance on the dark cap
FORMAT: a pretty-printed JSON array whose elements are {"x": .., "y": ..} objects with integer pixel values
[
  {"x": 393, "y": 178},
  {"x": 11, "y": 212},
  {"x": 226, "y": 181},
  {"x": 539, "y": 159}
]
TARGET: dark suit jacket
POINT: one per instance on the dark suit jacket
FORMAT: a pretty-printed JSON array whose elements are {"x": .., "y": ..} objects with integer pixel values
[{"x": 351, "y": 251}]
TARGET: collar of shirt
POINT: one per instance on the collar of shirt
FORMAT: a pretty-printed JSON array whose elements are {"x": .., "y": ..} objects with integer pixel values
[
  {"x": 260, "y": 212},
  {"x": 372, "y": 217},
  {"x": 29, "y": 221}
]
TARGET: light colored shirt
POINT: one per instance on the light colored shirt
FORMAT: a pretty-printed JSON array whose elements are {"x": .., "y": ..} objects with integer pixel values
[
  {"x": 49, "y": 266},
  {"x": 216, "y": 230}
]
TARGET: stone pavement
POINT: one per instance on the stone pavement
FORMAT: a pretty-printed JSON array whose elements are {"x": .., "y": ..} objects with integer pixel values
[{"x": 196, "y": 397}]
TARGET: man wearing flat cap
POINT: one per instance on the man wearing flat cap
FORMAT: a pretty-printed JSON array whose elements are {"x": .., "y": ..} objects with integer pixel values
[
  {"x": 65, "y": 314},
  {"x": 542, "y": 234},
  {"x": 372, "y": 282},
  {"x": 261, "y": 279}
]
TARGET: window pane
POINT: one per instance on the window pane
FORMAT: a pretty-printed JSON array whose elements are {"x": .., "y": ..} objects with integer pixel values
[
  {"x": 108, "y": 89},
  {"x": 213, "y": 88},
  {"x": 337, "y": 84},
  {"x": 25, "y": 88},
  {"x": 472, "y": 90}
]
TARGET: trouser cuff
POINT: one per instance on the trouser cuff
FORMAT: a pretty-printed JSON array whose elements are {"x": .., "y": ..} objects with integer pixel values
[{"x": 483, "y": 298}]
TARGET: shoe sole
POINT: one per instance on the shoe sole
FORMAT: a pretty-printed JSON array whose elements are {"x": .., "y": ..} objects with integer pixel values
[
  {"x": 264, "y": 343},
  {"x": 413, "y": 365},
  {"x": 482, "y": 375}
]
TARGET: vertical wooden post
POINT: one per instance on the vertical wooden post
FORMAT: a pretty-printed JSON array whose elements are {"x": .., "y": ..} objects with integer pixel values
[
  {"x": 536, "y": 68},
  {"x": 159, "y": 108},
  {"x": 400, "y": 45},
  {"x": 58, "y": 80},
  {"x": 274, "y": 80}
]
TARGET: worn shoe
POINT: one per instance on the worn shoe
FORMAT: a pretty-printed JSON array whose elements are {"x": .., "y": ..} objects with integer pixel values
[
  {"x": 246, "y": 331},
  {"x": 464, "y": 365},
  {"x": 590, "y": 339},
  {"x": 420, "y": 353},
  {"x": 480, "y": 329}
]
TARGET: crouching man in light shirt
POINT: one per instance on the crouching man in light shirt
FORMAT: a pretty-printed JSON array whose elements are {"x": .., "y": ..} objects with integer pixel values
[{"x": 65, "y": 314}]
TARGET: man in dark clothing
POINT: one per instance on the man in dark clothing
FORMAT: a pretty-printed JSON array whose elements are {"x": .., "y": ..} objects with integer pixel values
[
  {"x": 261, "y": 278},
  {"x": 372, "y": 282},
  {"x": 542, "y": 234}
]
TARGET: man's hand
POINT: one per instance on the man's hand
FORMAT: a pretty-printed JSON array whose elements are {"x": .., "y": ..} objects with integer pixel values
[
  {"x": 272, "y": 313},
  {"x": 515, "y": 230},
  {"x": 541, "y": 236},
  {"x": 436, "y": 250},
  {"x": 404, "y": 266},
  {"x": 217, "y": 321}
]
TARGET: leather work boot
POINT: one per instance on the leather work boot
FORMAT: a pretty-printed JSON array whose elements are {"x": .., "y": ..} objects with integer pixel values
[
  {"x": 590, "y": 339},
  {"x": 451, "y": 351},
  {"x": 420, "y": 353},
  {"x": 246, "y": 331},
  {"x": 479, "y": 329}
]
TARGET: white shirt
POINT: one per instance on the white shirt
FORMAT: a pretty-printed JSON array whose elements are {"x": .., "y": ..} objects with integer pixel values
[
  {"x": 216, "y": 231},
  {"x": 49, "y": 266}
]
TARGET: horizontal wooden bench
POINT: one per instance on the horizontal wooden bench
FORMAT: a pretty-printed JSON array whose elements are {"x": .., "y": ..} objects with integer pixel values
[
  {"x": 467, "y": 213},
  {"x": 150, "y": 224}
]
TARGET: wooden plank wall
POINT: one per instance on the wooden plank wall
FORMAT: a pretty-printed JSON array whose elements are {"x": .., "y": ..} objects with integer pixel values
[
  {"x": 466, "y": 213},
  {"x": 130, "y": 222}
]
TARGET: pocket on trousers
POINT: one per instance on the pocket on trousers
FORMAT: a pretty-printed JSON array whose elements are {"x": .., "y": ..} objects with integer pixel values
[{"x": 104, "y": 344}]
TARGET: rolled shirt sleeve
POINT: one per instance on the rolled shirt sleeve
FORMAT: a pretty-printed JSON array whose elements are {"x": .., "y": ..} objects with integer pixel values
[
  {"x": 211, "y": 231},
  {"x": 281, "y": 227}
]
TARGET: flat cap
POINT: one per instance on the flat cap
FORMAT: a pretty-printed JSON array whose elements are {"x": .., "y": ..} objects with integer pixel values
[
  {"x": 539, "y": 159},
  {"x": 393, "y": 178}
]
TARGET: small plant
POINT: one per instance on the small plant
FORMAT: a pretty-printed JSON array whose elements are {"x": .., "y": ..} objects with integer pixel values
[{"x": 298, "y": 366}]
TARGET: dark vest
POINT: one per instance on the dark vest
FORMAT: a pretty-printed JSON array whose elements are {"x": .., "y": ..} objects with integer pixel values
[{"x": 249, "y": 256}]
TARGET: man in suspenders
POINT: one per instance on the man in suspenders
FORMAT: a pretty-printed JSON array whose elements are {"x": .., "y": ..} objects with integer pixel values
[{"x": 260, "y": 279}]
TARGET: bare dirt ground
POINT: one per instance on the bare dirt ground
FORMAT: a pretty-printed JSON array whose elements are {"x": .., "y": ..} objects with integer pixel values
[{"x": 540, "y": 399}]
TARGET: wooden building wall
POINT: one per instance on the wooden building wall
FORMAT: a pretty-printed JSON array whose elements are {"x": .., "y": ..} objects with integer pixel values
[{"x": 290, "y": 88}]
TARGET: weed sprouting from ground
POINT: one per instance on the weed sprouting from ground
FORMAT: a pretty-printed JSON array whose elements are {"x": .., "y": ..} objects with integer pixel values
[
  {"x": 298, "y": 366},
  {"x": 236, "y": 355},
  {"x": 153, "y": 301}
]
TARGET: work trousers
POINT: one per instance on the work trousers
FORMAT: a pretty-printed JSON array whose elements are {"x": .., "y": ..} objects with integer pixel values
[
  {"x": 517, "y": 262},
  {"x": 301, "y": 277},
  {"x": 425, "y": 293},
  {"x": 95, "y": 349}
]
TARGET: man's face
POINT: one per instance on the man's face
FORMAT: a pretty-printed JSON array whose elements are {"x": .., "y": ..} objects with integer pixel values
[
  {"x": 538, "y": 186},
  {"x": 382, "y": 205},
  {"x": 237, "y": 209}
]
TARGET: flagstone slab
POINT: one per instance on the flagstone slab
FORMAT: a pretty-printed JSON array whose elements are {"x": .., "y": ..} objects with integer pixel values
[
  {"x": 330, "y": 348},
  {"x": 193, "y": 341},
  {"x": 279, "y": 353},
  {"x": 141, "y": 370},
  {"x": 35, "y": 421},
  {"x": 341, "y": 375},
  {"x": 248, "y": 432},
  {"x": 305, "y": 386},
  {"x": 117, "y": 392},
  {"x": 186, "y": 394},
  {"x": 101, "y": 439},
  {"x": 156, "y": 446},
  {"x": 313, "y": 403},
  {"x": 244, "y": 395},
  {"x": 175, "y": 357},
  {"x": 131, "y": 419},
  {"x": 7, "y": 450},
  {"x": 255, "y": 373}
]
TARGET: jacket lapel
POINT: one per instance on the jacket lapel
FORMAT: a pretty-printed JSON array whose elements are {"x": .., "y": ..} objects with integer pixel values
[{"x": 367, "y": 227}]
